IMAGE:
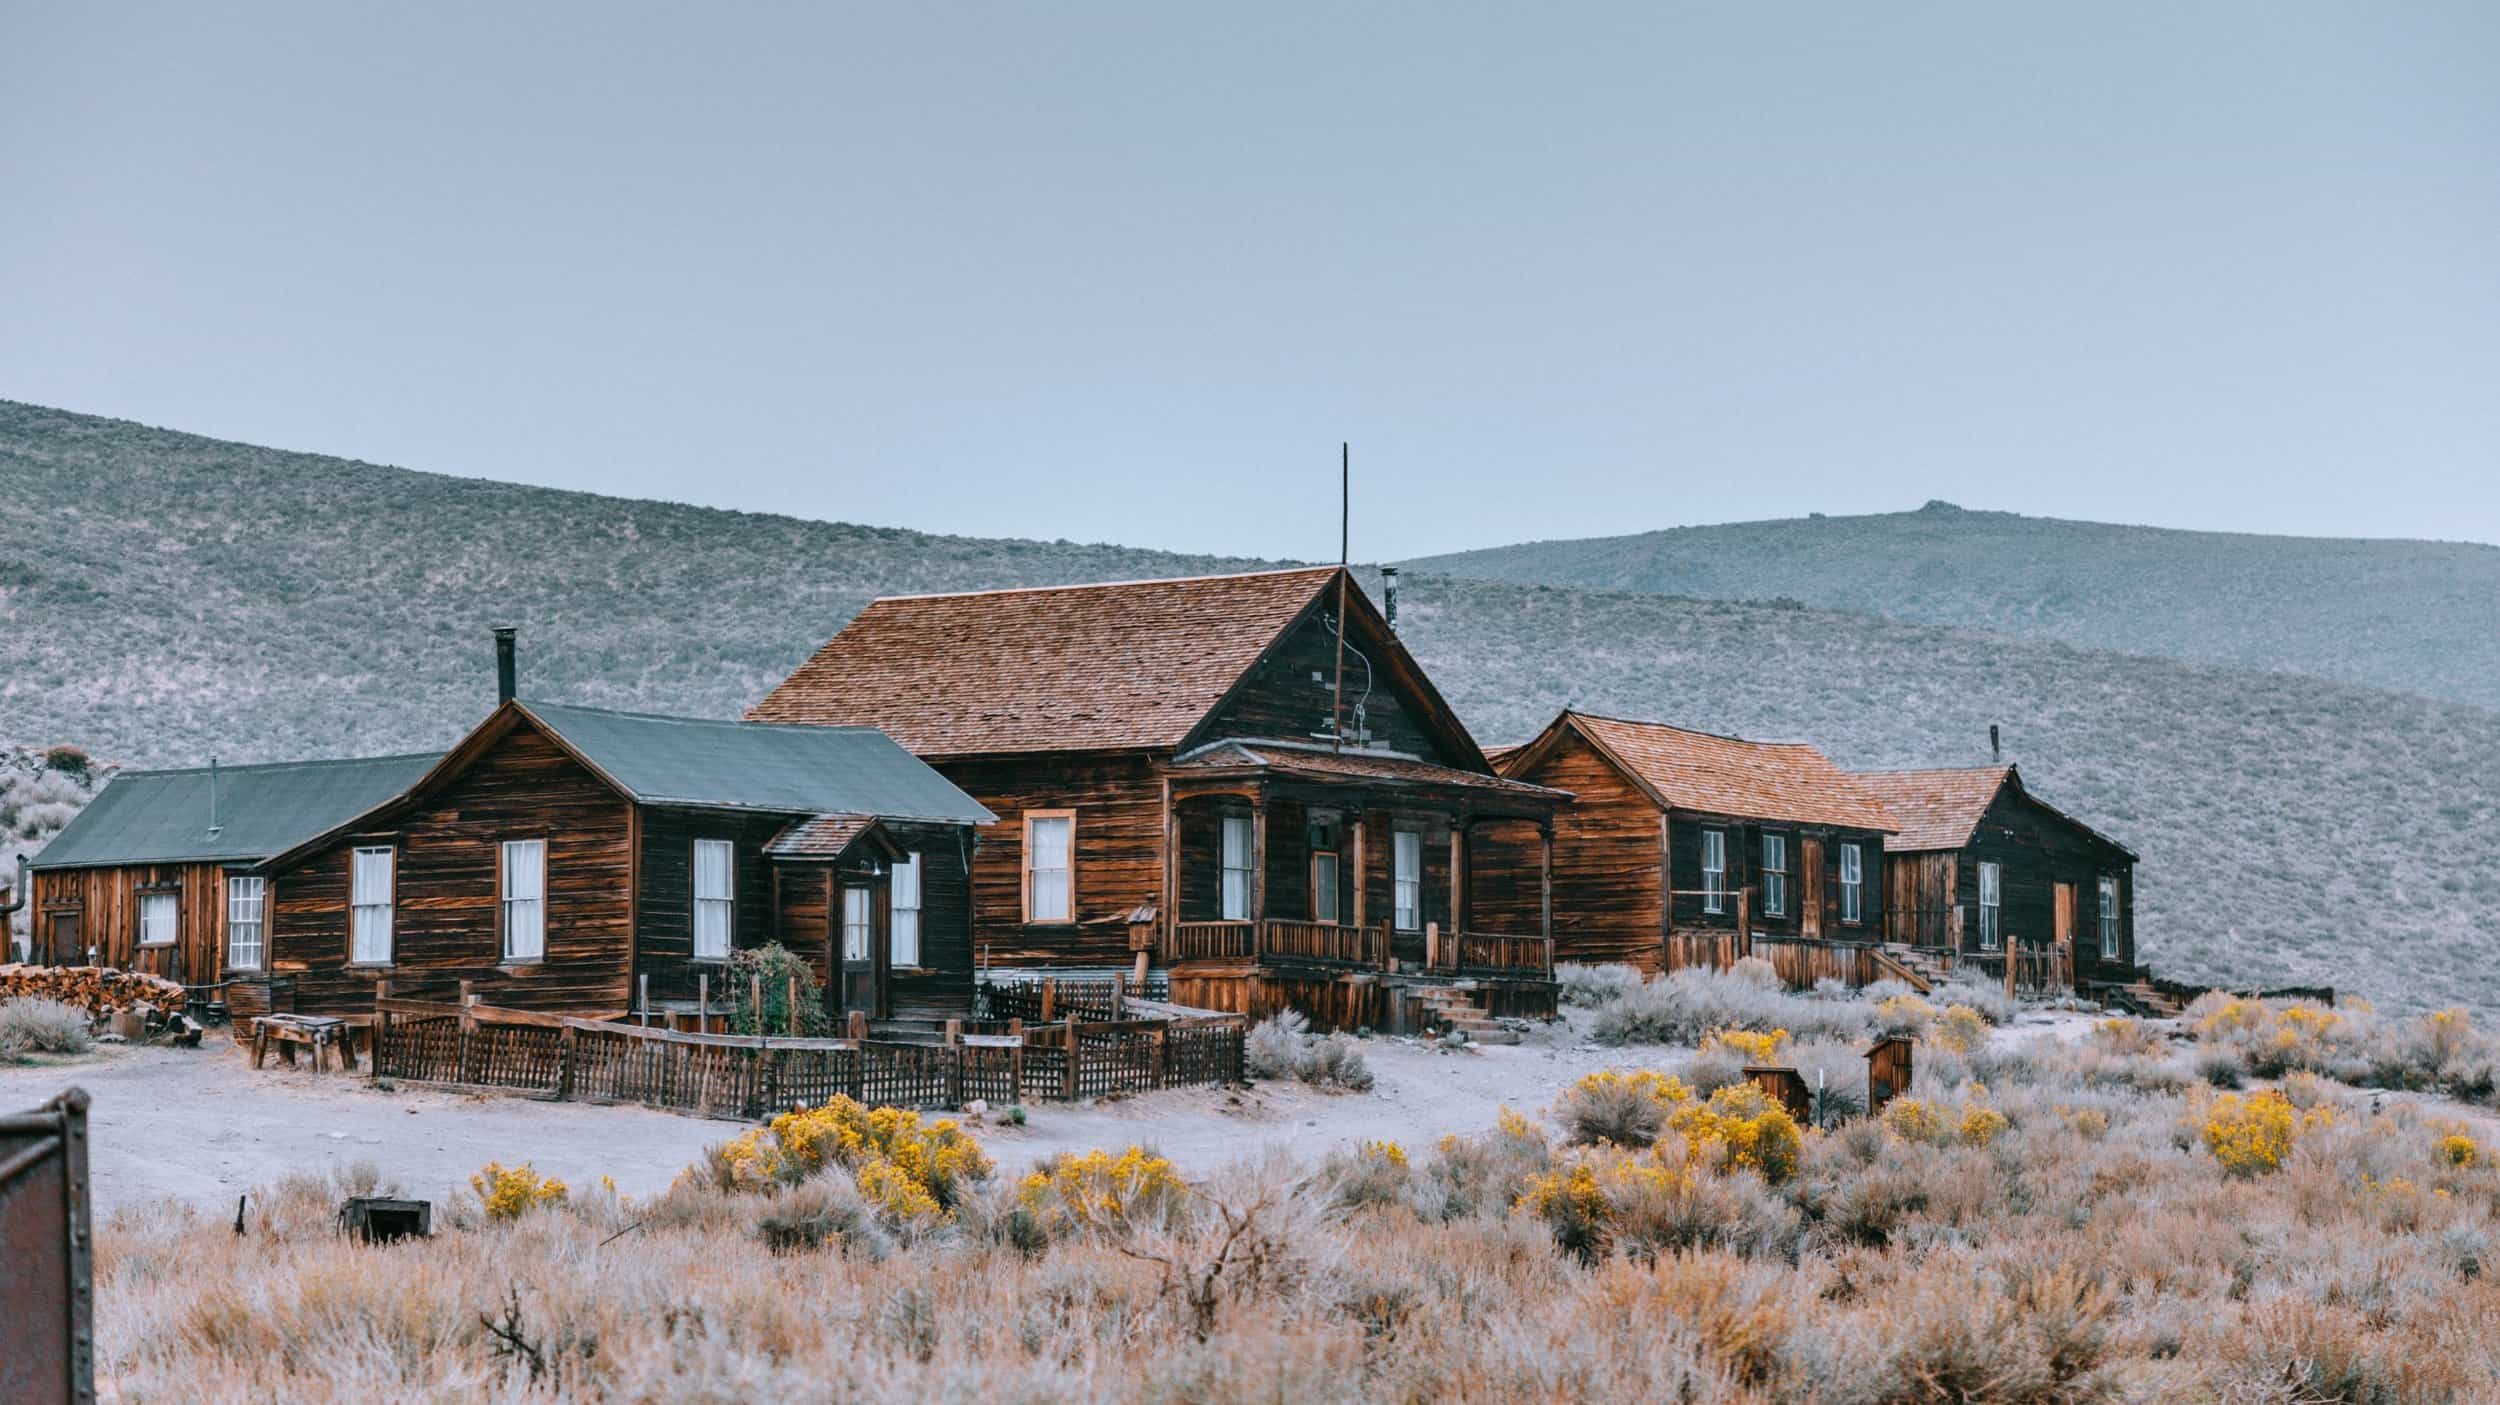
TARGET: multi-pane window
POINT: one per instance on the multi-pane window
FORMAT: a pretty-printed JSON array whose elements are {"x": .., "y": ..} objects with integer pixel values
[
  {"x": 1775, "y": 875},
  {"x": 156, "y": 919},
  {"x": 858, "y": 924},
  {"x": 1049, "y": 866},
  {"x": 1406, "y": 879},
  {"x": 1235, "y": 860},
  {"x": 715, "y": 898},
  {"x": 246, "y": 912},
  {"x": 1852, "y": 884},
  {"x": 903, "y": 921},
  {"x": 369, "y": 904},
  {"x": 1325, "y": 832},
  {"x": 2109, "y": 916},
  {"x": 1990, "y": 904},
  {"x": 524, "y": 899},
  {"x": 1714, "y": 870}
]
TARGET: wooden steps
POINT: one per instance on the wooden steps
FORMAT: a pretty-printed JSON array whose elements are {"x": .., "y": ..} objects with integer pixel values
[
  {"x": 1459, "y": 1009},
  {"x": 2149, "y": 1001}
]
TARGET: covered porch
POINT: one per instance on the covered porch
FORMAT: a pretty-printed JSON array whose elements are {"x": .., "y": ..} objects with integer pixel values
[{"x": 1312, "y": 861}]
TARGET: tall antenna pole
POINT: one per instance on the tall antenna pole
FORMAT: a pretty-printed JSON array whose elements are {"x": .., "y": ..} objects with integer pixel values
[{"x": 1345, "y": 532}]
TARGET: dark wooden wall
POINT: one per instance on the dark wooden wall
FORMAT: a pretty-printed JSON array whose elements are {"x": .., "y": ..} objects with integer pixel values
[
  {"x": 1118, "y": 798},
  {"x": 1744, "y": 870},
  {"x": 664, "y": 949},
  {"x": 2037, "y": 848},
  {"x": 1279, "y": 699},
  {"x": 1609, "y": 860},
  {"x": 942, "y": 986},
  {"x": 447, "y": 905},
  {"x": 1920, "y": 891},
  {"x": 107, "y": 902}
]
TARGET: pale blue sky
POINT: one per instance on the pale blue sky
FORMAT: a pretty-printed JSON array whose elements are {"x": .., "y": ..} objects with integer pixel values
[{"x": 1130, "y": 273}]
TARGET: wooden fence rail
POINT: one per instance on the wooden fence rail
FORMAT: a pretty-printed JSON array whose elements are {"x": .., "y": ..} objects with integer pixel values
[{"x": 747, "y": 1077}]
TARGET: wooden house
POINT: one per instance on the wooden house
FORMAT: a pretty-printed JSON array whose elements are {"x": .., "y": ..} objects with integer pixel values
[
  {"x": 1682, "y": 847},
  {"x": 1183, "y": 771},
  {"x": 1981, "y": 866},
  {"x": 580, "y": 861},
  {"x": 157, "y": 873}
]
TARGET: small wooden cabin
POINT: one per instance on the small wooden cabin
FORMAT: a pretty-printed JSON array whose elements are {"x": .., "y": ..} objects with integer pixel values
[
  {"x": 1981, "y": 864},
  {"x": 1675, "y": 839},
  {"x": 156, "y": 874},
  {"x": 1177, "y": 773},
  {"x": 576, "y": 860}
]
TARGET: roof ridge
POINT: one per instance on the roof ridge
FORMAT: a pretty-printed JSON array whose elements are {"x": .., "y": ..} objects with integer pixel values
[
  {"x": 225, "y": 769},
  {"x": 535, "y": 703},
  {"x": 1103, "y": 585},
  {"x": 1936, "y": 770},
  {"x": 1692, "y": 731}
]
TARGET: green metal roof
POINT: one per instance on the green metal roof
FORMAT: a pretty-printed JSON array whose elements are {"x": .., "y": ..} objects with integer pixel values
[
  {"x": 163, "y": 816},
  {"x": 758, "y": 766}
]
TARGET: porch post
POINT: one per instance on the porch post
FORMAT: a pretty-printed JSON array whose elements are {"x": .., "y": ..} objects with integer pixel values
[
  {"x": 1258, "y": 869},
  {"x": 1545, "y": 881},
  {"x": 1458, "y": 874},
  {"x": 1170, "y": 903},
  {"x": 1359, "y": 822}
]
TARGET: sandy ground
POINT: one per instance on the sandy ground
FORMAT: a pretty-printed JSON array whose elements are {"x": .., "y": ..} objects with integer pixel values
[{"x": 202, "y": 1125}]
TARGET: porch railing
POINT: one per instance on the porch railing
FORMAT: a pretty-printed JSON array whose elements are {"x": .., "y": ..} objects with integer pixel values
[
  {"x": 1277, "y": 939},
  {"x": 1492, "y": 954},
  {"x": 1213, "y": 941}
]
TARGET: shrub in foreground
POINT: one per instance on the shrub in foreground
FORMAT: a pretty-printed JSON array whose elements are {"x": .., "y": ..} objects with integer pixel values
[
  {"x": 42, "y": 1026},
  {"x": 1282, "y": 1046}
]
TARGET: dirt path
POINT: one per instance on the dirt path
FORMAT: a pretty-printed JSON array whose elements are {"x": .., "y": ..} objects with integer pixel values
[{"x": 201, "y": 1125}]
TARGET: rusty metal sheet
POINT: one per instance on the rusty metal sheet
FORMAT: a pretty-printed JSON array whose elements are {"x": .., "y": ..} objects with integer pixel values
[{"x": 47, "y": 1297}]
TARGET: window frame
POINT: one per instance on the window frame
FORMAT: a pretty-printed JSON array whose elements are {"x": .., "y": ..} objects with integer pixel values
[
  {"x": 2112, "y": 937},
  {"x": 1991, "y": 905},
  {"x": 867, "y": 926},
  {"x": 696, "y": 900},
  {"x": 1852, "y": 883},
  {"x": 1714, "y": 890},
  {"x": 1229, "y": 824},
  {"x": 504, "y": 901},
  {"x": 1025, "y": 860},
  {"x": 171, "y": 898},
  {"x": 1775, "y": 880},
  {"x": 259, "y": 923},
  {"x": 388, "y": 906},
  {"x": 1399, "y": 911},
  {"x": 895, "y": 910}
]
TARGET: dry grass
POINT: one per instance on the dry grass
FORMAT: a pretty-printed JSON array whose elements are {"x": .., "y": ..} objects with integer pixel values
[{"x": 2042, "y": 1231}]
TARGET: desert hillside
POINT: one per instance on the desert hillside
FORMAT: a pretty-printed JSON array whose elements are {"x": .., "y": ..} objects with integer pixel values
[
  {"x": 164, "y": 596},
  {"x": 2413, "y": 616}
]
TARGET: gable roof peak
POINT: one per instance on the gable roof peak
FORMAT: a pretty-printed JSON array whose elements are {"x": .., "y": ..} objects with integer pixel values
[{"x": 1709, "y": 773}]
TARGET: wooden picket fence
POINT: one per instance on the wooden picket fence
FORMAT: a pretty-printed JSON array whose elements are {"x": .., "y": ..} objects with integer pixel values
[{"x": 747, "y": 1077}]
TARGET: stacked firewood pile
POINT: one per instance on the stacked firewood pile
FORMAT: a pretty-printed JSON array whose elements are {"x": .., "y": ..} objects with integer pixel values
[{"x": 98, "y": 990}]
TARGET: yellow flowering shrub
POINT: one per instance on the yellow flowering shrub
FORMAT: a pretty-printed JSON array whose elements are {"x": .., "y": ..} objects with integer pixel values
[
  {"x": 1913, "y": 1120},
  {"x": 1387, "y": 1153},
  {"x": 2253, "y": 1135},
  {"x": 1904, "y": 1012},
  {"x": 2449, "y": 1032},
  {"x": 2126, "y": 1036},
  {"x": 1753, "y": 1046},
  {"x": 1101, "y": 1192},
  {"x": 1572, "y": 1203},
  {"x": 1980, "y": 1125},
  {"x": 2459, "y": 1150},
  {"x": 2233, "y": 1016},
  {"x": 907, "y": 1168},
  {"x": 509, "y": 1192},
  {"x": 2090, "y": 1123},
  {"x": 1740, "y": 1128},
  {"x": 1960, "y": 1028}
]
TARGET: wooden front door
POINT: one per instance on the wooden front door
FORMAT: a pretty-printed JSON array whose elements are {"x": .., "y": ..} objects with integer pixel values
[
  {"x": 2065, "y": 922},
  {"x": 1810, "y": 913},
  {"x": 67, "y": 947},
  {"x": 855, "y": 916}
]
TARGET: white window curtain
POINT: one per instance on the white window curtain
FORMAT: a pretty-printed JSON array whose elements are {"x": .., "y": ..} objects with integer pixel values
[
  {"x": 1989, "y": 886},
  {"x": 1046, "y": 859},
  {"x": 2109, "y": 917},
  {"x": 1323, "y": 887},
  {"x": 524, "y": 900},
  {"x": 1852, "y": 883},
  {"x": 1775, "y": 875},
  {"x": 1714, "y": 870},
  {"x": 1407, "y": 879},
  {"x": 715, "y": 901},
  {"x": 1236, "y": 864},
  {"x": 370, "y": 901},
  {"x": 246, "y": 912},
  {"x": 857, "y": 923},
  {"x": 156, "y": 919},
  {"x": 903, "y": 937}
]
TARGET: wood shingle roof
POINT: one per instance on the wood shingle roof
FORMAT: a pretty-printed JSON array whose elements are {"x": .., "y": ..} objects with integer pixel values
[
  {"x": 1937, "y": 809},
  {"x": 1128, "y": 666},
  {"x": 1710, "y": 774}
]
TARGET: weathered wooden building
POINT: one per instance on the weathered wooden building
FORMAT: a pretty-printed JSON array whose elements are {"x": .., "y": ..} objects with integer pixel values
[
  {"x": 576, "y": 860},
  {"x": 1194, "y": 769},
  {"x": 157, "y": 873},
  {"x": 1981, "y": 866},
  {"x": 1677, "y": 843}
]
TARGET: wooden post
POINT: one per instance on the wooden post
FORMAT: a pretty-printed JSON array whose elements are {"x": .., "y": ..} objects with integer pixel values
[
  {"x": 1545, "y": 892},
  {"x": 1068, "y": 1073},
  {"x": 468, "y": 1028},
  {"x": 381, "y": 1025},
  {"x": 702, "y": 1002},
  {"x": 1359, "y": 823},
  {"x": 954, "y": 1063},
  {"x": 1432, "y": 946},
  {"x": 1458, "y": 876},
  {"x": 1744, "y": 922},
  {"x": 790, "y": 1004},
  {"x": 642, "y": 999},
  {"x": 1140, "y": 972},
  {"x": 859, "y": 1024},
  {"x": 564, "y": 1063},
  {"x": 1050, "y": 998},
  {"x": 755, "y": 1001},
  {"x": 1015, "y": 1058},
  {"x": 1258, "y": 872},
  {"x": 1119, "y": 996},
  {"x": 1160, "y": 1053}
]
